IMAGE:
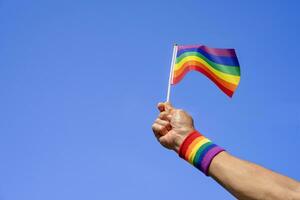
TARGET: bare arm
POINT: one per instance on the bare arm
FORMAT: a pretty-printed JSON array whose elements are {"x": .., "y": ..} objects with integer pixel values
[
  {"x": 246, "y": 180},
  {"x": 242, "y": 179}
]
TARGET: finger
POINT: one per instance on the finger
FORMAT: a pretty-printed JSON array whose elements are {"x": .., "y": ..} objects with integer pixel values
[
  {"x": 164, "y": 123},
  {"x": 159, "y": 130},
  {"x": 155, "y": 129},
  {"x": 164, "y": 106},
  {"x": 168, "y": 106},
  {"x": 161, "y": 107},
  {"x": 165, "y": 116}
]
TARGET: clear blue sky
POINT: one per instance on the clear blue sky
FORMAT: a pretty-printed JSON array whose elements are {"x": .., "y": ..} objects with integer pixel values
[{"x": 80, "y": 81}]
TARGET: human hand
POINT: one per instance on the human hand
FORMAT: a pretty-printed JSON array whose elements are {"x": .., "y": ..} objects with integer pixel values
[{"x": 172, "y": 126}]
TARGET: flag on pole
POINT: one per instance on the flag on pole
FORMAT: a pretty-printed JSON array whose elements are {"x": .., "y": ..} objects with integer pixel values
[{"x": 219, "y": 65}]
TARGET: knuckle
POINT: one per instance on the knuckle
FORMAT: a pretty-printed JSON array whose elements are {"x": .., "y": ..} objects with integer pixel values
[
  {"x": 157, "y": 127},
  {"x": 164, "y": 129},
  {"x": 167, "y": 124},
  {"x": 157, "y": 120},
  {"x": 162, "y": 115},
  {"x": 161, "y": 127},
  {"x": 154, "y": 127}
]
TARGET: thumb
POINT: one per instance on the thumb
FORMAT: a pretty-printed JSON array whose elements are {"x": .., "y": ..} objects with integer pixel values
[{"x": 167, "y": 106}]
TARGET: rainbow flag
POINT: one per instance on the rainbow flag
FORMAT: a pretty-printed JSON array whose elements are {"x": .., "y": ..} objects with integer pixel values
[{"x": 219, "y": 65}]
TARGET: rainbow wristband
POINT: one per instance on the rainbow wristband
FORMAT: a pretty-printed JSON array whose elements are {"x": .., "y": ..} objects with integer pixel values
[{"x": 199, "y": 151}]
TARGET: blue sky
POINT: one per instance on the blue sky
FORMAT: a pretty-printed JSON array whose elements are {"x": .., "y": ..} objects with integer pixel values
[{"x": 80, "y": 81}]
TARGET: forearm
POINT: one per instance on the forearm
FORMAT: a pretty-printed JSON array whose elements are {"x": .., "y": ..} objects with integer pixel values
[
  {"x": 249, "y": 181},
  {"x": 174, "y": 129}
]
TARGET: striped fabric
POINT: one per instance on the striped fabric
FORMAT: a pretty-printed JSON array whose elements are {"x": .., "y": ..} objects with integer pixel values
[
  {"x": 199, "y": 151},
  {"x": 219, "y": 65}
]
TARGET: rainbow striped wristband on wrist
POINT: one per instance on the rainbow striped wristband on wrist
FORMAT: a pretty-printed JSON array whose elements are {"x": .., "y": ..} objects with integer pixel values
[{"x": 199, "y": 151}]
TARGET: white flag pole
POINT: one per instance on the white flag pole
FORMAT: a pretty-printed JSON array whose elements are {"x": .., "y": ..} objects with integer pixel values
[{"x": 171, "y": 71}]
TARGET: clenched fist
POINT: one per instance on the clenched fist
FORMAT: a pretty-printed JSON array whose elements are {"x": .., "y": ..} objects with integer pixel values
[{"x": 172, "y": 126}]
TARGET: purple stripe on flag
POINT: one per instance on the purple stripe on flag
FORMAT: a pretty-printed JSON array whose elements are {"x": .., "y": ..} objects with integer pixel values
[{"x": 214, "y": 51}]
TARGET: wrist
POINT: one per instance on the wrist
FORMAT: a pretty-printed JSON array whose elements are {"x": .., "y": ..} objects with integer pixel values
[
  {"x": 179, "y": 139},
  {"x": 199, "y": 151}
]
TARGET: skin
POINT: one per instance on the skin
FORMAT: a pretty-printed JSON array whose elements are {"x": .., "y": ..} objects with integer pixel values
[{"x": 242, "y": 179}]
